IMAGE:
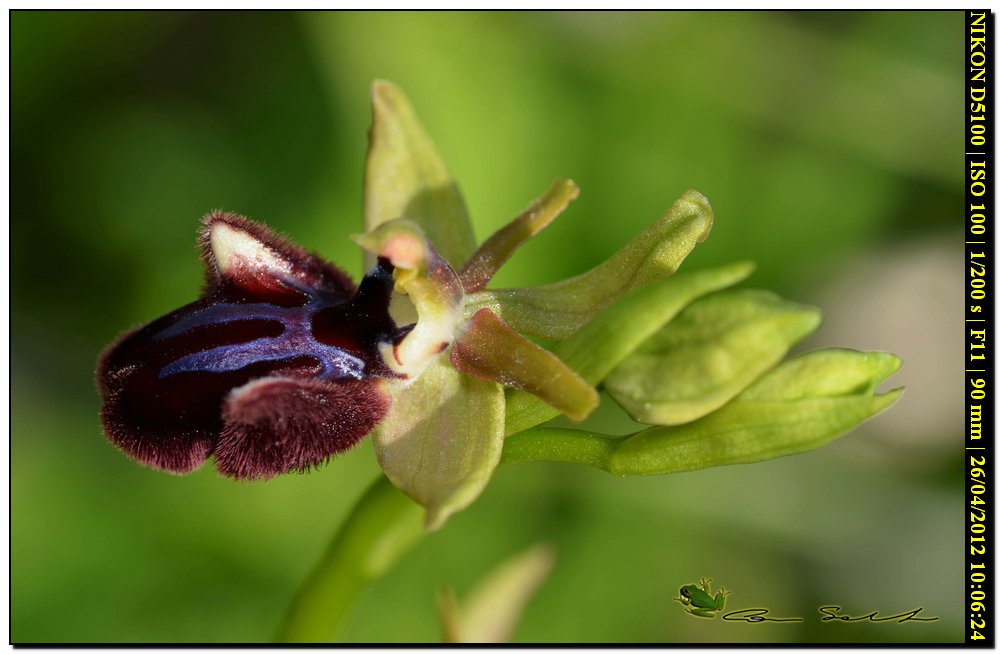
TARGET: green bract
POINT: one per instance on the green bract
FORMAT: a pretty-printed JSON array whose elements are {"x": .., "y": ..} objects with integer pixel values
[
  {"x": 491, "y": 611},
  {"x": 802, "y": 404},
  {"x": 676, "y": 351},
  {"x": 713, "y": 350},
  {"x": 597, "y": 347}
]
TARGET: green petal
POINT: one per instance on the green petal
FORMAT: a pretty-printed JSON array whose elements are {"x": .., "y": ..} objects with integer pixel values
[
  {"x": 714, "y": 349},
  {"x": 803, "y": 404},
  {"x": 491, "y": 350},
  {"x": 600, "y": 345},
  {"x": 493, "y": 609},
  {"x": 557, "y": 310},
  {"x": 405, "y": 178},
  {"x": 499, "y": 247},
  {"x": 442, "y": 438}
]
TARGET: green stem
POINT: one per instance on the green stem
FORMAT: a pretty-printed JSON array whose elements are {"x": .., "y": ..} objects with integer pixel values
[
  {"x": 558, "y": 444},
  {"x": 382, "y": 527}
]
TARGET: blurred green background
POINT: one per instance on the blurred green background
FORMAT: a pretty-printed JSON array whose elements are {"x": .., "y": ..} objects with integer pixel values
[{"x": 829, "y": 145}]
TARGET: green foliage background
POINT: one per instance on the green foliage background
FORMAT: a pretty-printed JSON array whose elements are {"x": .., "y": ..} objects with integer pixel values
[{"x": 829, "y": 145}]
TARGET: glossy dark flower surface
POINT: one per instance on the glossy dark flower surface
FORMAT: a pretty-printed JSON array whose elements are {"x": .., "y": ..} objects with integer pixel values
[{"x": 274, "y": 369}]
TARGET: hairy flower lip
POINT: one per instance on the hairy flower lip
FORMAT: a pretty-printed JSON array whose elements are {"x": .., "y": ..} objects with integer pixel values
[
  {"x": 274, "y": 324},
  {"x": 280, "y": 424}
]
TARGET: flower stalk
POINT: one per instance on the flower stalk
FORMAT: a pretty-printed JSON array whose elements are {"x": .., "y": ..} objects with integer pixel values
[{"x": 381, "y": 528}]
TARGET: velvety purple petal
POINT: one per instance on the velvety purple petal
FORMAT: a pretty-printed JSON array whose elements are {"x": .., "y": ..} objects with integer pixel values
[{"x": 283, "y": 424}]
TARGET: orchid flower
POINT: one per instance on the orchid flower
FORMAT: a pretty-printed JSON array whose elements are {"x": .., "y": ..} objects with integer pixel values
[{"x": 283, "y": 362}]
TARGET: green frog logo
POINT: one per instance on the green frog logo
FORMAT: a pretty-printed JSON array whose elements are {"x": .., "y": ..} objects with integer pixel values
[{"x": 698, "y": 597}]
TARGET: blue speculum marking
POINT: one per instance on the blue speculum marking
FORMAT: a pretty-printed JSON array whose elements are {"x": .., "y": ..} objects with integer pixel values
[
  {"x": 296, "y": 340},
  {"x": 225, "y": 312}
]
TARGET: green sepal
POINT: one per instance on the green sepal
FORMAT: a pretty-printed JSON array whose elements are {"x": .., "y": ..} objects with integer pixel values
[
  {"x": 800, "y": 405},
  {"x": 599, "y": 346},
  {"x": 557, "y": 310},
  {"x": 406, "y": 178},
  {"x": 713, "y": 350},
  {"x": 442, "y": 438}
]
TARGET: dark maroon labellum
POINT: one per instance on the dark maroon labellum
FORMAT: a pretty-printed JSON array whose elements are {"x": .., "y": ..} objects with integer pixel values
[{"x": 274, "y": 369}]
